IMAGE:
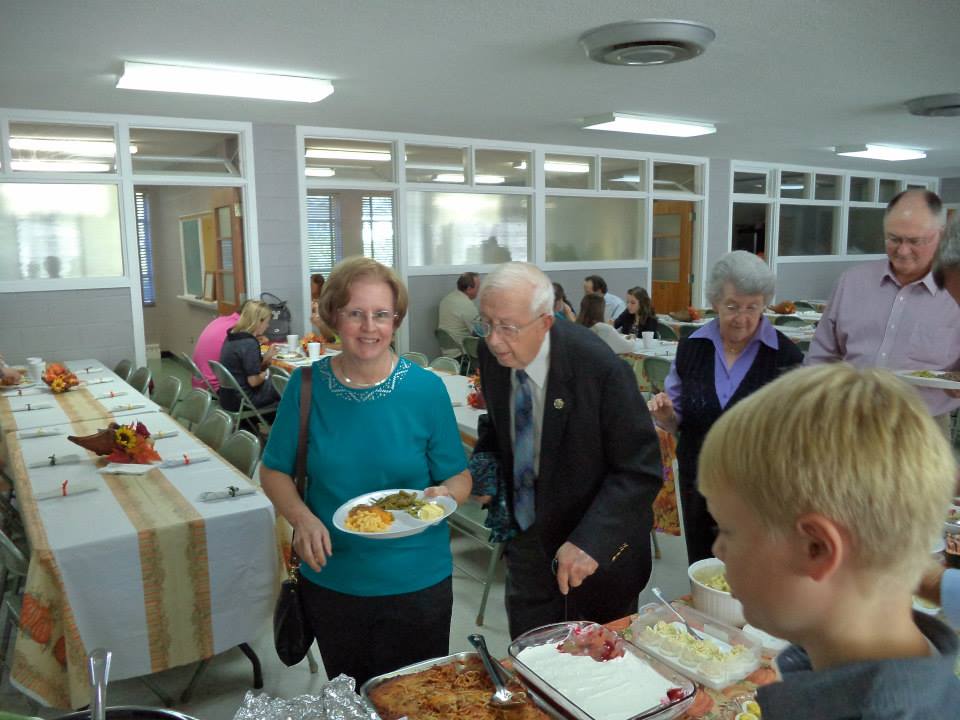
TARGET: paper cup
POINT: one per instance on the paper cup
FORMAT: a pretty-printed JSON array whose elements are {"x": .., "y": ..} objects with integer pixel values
[
  {"x": 293, "y": 343},
  {"x": 647, "y": 336},
  {"x": 313, "y": 350},
  {"x": 35, "y": 369}
]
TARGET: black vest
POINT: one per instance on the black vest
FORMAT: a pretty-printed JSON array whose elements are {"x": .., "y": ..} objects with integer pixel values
[{"x": 700, "y": 405}]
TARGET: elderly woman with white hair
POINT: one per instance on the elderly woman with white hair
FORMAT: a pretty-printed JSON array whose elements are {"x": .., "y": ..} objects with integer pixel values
[
  {"x": 717, "y": 366},
  {"x": 946, "y": 265}
]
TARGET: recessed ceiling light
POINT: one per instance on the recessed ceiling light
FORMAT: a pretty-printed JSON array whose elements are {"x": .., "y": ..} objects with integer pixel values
[
  {"x": 59, "y": 166},
  {"x": 320, "y": 172},
  {"x": 233, "y": 83},
  {"x": 341, "y": 154},
  {"x": 478, "y": 179},
  {"x": 647, "y": 42},
  {"x": 646, "y": 125},
  {"x": 880, "y": 152}
]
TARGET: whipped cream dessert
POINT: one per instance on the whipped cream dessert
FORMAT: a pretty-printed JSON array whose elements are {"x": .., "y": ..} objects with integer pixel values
[{"x": 610, "y": 690}]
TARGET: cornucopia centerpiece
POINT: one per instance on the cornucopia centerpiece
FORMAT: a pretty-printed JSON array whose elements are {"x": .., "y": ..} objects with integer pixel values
[{"x": 120, "y": 443}]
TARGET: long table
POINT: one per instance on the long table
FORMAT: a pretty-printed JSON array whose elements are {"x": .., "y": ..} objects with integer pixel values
[{"x": 139, "y": 565}]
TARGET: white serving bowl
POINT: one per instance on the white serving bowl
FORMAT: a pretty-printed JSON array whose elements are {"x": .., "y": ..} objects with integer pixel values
[{"x": 715, "y": 603}]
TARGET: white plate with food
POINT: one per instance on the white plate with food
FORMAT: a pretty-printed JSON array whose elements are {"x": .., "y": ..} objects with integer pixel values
[
  {"x": 288, "y": 356},
  {"x": 389, "y": 514},
  {"x": 940, "y": 379}
]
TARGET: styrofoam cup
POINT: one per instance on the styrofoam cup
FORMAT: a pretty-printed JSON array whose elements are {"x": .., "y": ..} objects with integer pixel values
[
  {"x": 293, "y": 343},
  {"x": 35, "y": 369},
  {"x": 647, "y": 336},
  {"x": 313, "y": 350}
]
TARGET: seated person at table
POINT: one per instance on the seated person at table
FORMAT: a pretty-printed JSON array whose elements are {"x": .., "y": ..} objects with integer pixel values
[
  {"x": 9, "y": 376},
  {"x": 716, "y": 367},
  {"x": 316, "y": 288},
  {"x": 596, "y": 285},
  {"x": 376, "y": 422},
  {"x": 209, "y": 344},
  {"x": 829, "y": 487},
  {"x": 591, "y": 316},
  {"x": 457, "y": 312},
  {"x": 639, "y": 316},
  {"x": 241, "y": 357},
  {"x": 562, "y": 310}
]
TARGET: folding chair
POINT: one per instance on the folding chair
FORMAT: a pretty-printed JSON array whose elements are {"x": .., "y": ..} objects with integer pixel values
[
  {"x": 140, "y": 380},
  {"x": 242, "y": 450},
  {"x": 666, "y": 332},
  {"x": 468, "y": 519},
  {"x": 418, "y": 358},
  {"x": 471, "y": 346},
  {"x": 446, "y": 364},
  {"x": 247, "y": 409},
  {"x": 192, "y": 409},
  {"x": 195, "y": 371},
  {"x": 215, "y": 428},
  {"x": 448, "y": 344},
  {"x": 657, "y": 369},
  {"x": 166, "y": 392},
  {"x": 787, "y": 321},
  {"x": 123, "y": 369},
  {"x": 279, "y": 382}
]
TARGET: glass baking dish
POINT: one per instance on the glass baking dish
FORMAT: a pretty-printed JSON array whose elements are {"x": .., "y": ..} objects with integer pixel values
[{"x": 662, "y": 709}]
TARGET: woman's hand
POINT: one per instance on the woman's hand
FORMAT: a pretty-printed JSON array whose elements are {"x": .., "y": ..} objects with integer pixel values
[
  {"x": 458, "y": 487},
  {"x": 311, "y": 540},
  {"x": 661, "y": 408}
]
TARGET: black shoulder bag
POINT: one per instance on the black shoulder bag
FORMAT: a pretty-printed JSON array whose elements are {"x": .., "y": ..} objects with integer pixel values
[{"x": 292, "y": 635}]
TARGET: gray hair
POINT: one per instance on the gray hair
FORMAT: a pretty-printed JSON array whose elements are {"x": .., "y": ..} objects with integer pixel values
[
  {"x": 513, "y": 276},
  {"x": 748, "y": 274},
  {"x": 948, "y": 254}
]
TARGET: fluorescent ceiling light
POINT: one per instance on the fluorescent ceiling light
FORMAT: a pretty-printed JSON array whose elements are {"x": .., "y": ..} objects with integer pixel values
[
  {"x": 645, "y": 125},
  {"x": 233, "y": 83},
  {"x": 320, "y": 172},
  {"x": 879, "y": 152},
  {"x": 339, "y": 154},
  {"x": 627, "y": 178},
  {"x": 558, "y": 166},
  {"x": 794, "y": 186},
  {"x": 59, "y": 166},
  {"x": 443, "y": 167},
  {"x": 478, "y": 179}
]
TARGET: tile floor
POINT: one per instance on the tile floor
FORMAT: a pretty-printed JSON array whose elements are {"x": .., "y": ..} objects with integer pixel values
[{"x": 221, "y": 689}]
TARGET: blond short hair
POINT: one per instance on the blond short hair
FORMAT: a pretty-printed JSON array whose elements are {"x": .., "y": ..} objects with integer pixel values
[
  {"x": 857, "y": 446},
  {"x": 252, "y": 314},
  {"x": 336, "y": 290}
]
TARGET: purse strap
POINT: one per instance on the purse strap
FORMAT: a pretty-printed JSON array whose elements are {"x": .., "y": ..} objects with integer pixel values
[{"x": 303, "y": 439}]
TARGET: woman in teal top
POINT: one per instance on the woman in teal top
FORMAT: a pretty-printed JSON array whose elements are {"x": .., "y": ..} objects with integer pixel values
[{"x": 376, "y": 422}]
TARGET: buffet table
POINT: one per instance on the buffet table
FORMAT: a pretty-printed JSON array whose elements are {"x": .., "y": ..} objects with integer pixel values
[{"x": 137, "y": 564}]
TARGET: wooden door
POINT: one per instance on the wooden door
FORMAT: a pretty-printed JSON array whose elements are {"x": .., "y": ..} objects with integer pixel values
[
  {"x": 672, "y": 252},
  {"x": 230, "y": 275}
]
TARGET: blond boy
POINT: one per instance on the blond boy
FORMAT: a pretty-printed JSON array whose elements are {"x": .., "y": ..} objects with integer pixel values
[{"x": 829, "y": 487}]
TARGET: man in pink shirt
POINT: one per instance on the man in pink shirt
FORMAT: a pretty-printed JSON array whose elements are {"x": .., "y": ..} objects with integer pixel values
[
  {"x": 892, "y": 314},
  {"x": 208, "y": 347}
]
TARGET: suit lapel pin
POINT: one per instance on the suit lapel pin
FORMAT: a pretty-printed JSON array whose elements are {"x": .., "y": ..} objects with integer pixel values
[{"x": 558, "y": 404}]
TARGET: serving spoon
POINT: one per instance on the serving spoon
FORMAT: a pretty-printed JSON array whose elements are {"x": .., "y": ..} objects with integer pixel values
[
  {"x": 502, "y": 697},
  {"x": 659, "y": 595}
]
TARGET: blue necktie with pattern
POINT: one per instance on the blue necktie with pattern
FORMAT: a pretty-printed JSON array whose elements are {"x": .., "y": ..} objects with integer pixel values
[{"x": 524, "y": 507}]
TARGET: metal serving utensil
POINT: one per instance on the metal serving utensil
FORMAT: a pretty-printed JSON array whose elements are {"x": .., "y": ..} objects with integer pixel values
[
  {"x": 659, "y": 595},
  {"x": 501, "y": 697}
]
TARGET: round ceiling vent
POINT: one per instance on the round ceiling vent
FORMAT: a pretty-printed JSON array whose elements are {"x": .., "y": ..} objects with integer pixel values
[
  {"x": 936, "y": 105},
  {"x": 647, "y": 42}
]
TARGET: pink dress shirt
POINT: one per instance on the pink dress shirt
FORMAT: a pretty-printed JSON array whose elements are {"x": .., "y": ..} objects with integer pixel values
[
  {"x": 873, "y": 321},
  {"x": 209, "y": 344}
]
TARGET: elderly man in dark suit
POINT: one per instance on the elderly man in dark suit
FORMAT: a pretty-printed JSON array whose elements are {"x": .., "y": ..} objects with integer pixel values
[{"x": 578, "y": 457}]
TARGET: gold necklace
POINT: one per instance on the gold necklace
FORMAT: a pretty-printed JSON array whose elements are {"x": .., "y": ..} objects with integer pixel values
[{"x": 353, "y": 383}]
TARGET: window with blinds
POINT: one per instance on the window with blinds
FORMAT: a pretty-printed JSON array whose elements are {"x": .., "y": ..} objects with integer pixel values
[
  {"x": 324, "y": 245},
  {"x": 377, "y": 228},
  {"x": 145, "y": 248}
]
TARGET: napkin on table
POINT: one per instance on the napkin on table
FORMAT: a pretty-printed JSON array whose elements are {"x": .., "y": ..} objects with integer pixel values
[
  {"x": 54, "y": 459},
  {"x": 126, "y": 469},
  {"x": 68, "y": 489},
  {"x": 32, "y": 406},
  {"x": 164, "y": 434},
  {"x": 111, "y": 394},
  {"x": 232, "y": 491},
  {"x": 128, "y": 406},
  {"x": 185, "y": 459},
  {"x": 96, "y": 381},
  {"x": 38, "y": 432}
]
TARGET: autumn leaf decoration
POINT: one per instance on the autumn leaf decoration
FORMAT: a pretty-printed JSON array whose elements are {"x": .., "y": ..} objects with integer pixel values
[{"x": 132, "y": 444}]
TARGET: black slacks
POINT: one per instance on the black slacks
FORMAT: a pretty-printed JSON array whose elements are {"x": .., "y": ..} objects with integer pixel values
[
  {"x": 366, "y": 636},
  {"x": 533, "y": 597}
]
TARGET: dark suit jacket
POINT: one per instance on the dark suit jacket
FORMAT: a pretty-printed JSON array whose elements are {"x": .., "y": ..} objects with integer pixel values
[{"x": 599, "y": 455}]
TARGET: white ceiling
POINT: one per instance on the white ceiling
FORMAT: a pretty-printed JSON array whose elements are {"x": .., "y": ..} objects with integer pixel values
[{"x": 783, "y": 81}]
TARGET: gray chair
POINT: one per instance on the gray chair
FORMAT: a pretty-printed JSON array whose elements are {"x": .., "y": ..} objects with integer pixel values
[
  {"x": 166, "y": 392},
  {"x": 195, "y": 371},
  {"x": 242, "y": 450},
  {"x": 418, "y": 358},
  {"x": 448, "y": 344},
  {"x": 468, "y": 519},
  {"x": 140, "y": 380},
  {"x": 192, "y": 408},
  {"x": 657, "y": 369},
  {"x": 215, "y": 428},
  {"x": 247, "y": 409},
  {"x": 803, "y": 305},
  {"x": 787, "y": 321},
  {"x": 279, "y": 382},
  {"x": 666, "y": 332},
  {"x": 471, "y": 346},
  {"x": 123, "y": 369},
  {"x": 445, "y": 364}
]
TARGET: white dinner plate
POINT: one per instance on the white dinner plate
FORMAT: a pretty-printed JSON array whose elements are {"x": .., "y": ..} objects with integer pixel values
[
  {"x": 931, "y": 382},
  {"x": 403, "y": 523},
  {"x": 288, "y": 356}
]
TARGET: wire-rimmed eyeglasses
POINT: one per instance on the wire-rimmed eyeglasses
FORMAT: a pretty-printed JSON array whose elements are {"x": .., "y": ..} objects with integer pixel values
[
  {"x": 485, "y": 328},
  {"x": 358, "y": 317}
]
